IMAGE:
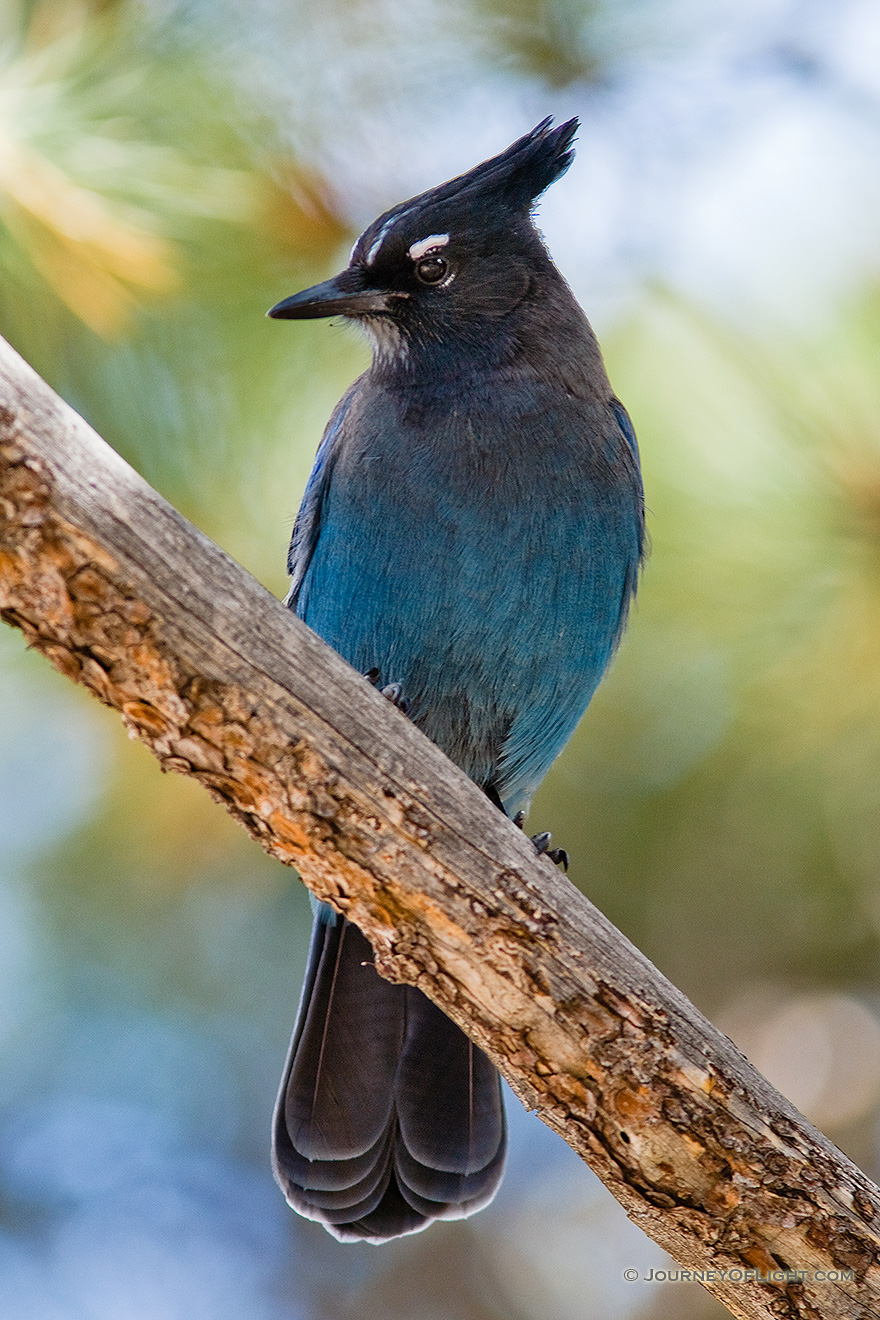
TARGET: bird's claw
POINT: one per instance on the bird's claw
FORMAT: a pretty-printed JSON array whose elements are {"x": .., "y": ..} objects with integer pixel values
[
  {"x": 393, "y": 692},
  {"x": 558, "y": 856}
]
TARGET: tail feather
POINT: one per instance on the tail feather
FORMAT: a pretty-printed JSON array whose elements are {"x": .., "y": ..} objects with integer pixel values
[
  {"x": 356, "y": 1195},
  {"x": 393, "y": 1218},
  {"x": 357, "y": 1209},
  {"x": 325, "y": 1175},
  {"x": 441, "y": 1187},
  {"x": 388, "y": 1116},
  {"x": 347, "y": 1043},
  {"x": 448, "y": 1098}
]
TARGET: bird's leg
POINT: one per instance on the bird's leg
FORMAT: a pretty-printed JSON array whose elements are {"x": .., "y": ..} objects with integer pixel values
[{"x": 541, "y": 841}]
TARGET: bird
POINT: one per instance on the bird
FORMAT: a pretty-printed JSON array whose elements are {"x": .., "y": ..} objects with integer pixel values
[{"x": 470, "y": 540}]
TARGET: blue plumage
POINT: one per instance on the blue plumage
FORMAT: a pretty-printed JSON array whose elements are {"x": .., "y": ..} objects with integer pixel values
[{"x": 473, "y": 529}]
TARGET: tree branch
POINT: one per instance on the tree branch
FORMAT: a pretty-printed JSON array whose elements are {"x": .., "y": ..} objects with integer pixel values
[{"x": 222, "y": 683}]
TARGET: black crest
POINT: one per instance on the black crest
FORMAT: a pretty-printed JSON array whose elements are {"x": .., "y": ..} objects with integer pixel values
[
  {"x": 520, "y": 174},
  {"x": 508, "y": 184}
]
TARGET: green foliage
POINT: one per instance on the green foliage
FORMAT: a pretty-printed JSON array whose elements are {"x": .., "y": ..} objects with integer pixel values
[{"x": 142, "y": 235}]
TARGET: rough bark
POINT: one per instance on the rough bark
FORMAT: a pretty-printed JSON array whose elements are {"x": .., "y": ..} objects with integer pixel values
[{"x": 121, "y": 594}]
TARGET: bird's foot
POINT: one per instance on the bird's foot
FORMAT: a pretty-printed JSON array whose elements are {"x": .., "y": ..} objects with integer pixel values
[
  {"x": 393, "y": 692},
  {"x": 558, "y": 856}
]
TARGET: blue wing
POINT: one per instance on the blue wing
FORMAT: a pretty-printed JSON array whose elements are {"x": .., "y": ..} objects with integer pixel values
[
  {"x": 307, "y": 527},
  {"x": 624, "y": 421}
]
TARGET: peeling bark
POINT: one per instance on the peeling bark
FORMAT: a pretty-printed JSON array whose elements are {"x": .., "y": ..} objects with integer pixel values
[{"x": 223, "y": 684}]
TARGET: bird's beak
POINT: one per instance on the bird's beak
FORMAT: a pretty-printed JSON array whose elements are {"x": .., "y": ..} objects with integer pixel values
[{"x": 347, "y": 294}]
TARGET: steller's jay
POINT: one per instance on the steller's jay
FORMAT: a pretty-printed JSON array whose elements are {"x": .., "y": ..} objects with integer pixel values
[{"x": 470, "y": 539}]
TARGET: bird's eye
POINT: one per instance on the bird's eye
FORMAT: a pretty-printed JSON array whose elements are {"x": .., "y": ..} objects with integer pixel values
[{"x": 430, "y": 270}]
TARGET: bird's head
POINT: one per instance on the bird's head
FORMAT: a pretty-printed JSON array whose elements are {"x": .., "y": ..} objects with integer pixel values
[{"x": 445, "y": 268}]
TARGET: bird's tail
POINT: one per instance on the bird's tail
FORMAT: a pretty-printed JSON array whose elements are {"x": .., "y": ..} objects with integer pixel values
[{"x": 388, "y": 1116}]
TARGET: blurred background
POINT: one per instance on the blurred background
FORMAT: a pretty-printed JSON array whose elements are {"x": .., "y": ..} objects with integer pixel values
[{"x": 168, "y": 170}]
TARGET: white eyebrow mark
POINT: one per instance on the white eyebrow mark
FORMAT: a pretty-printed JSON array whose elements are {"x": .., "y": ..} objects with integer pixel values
[
  {"x": 380, "y": 239},
  {"x": 418, "y": 250}
]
